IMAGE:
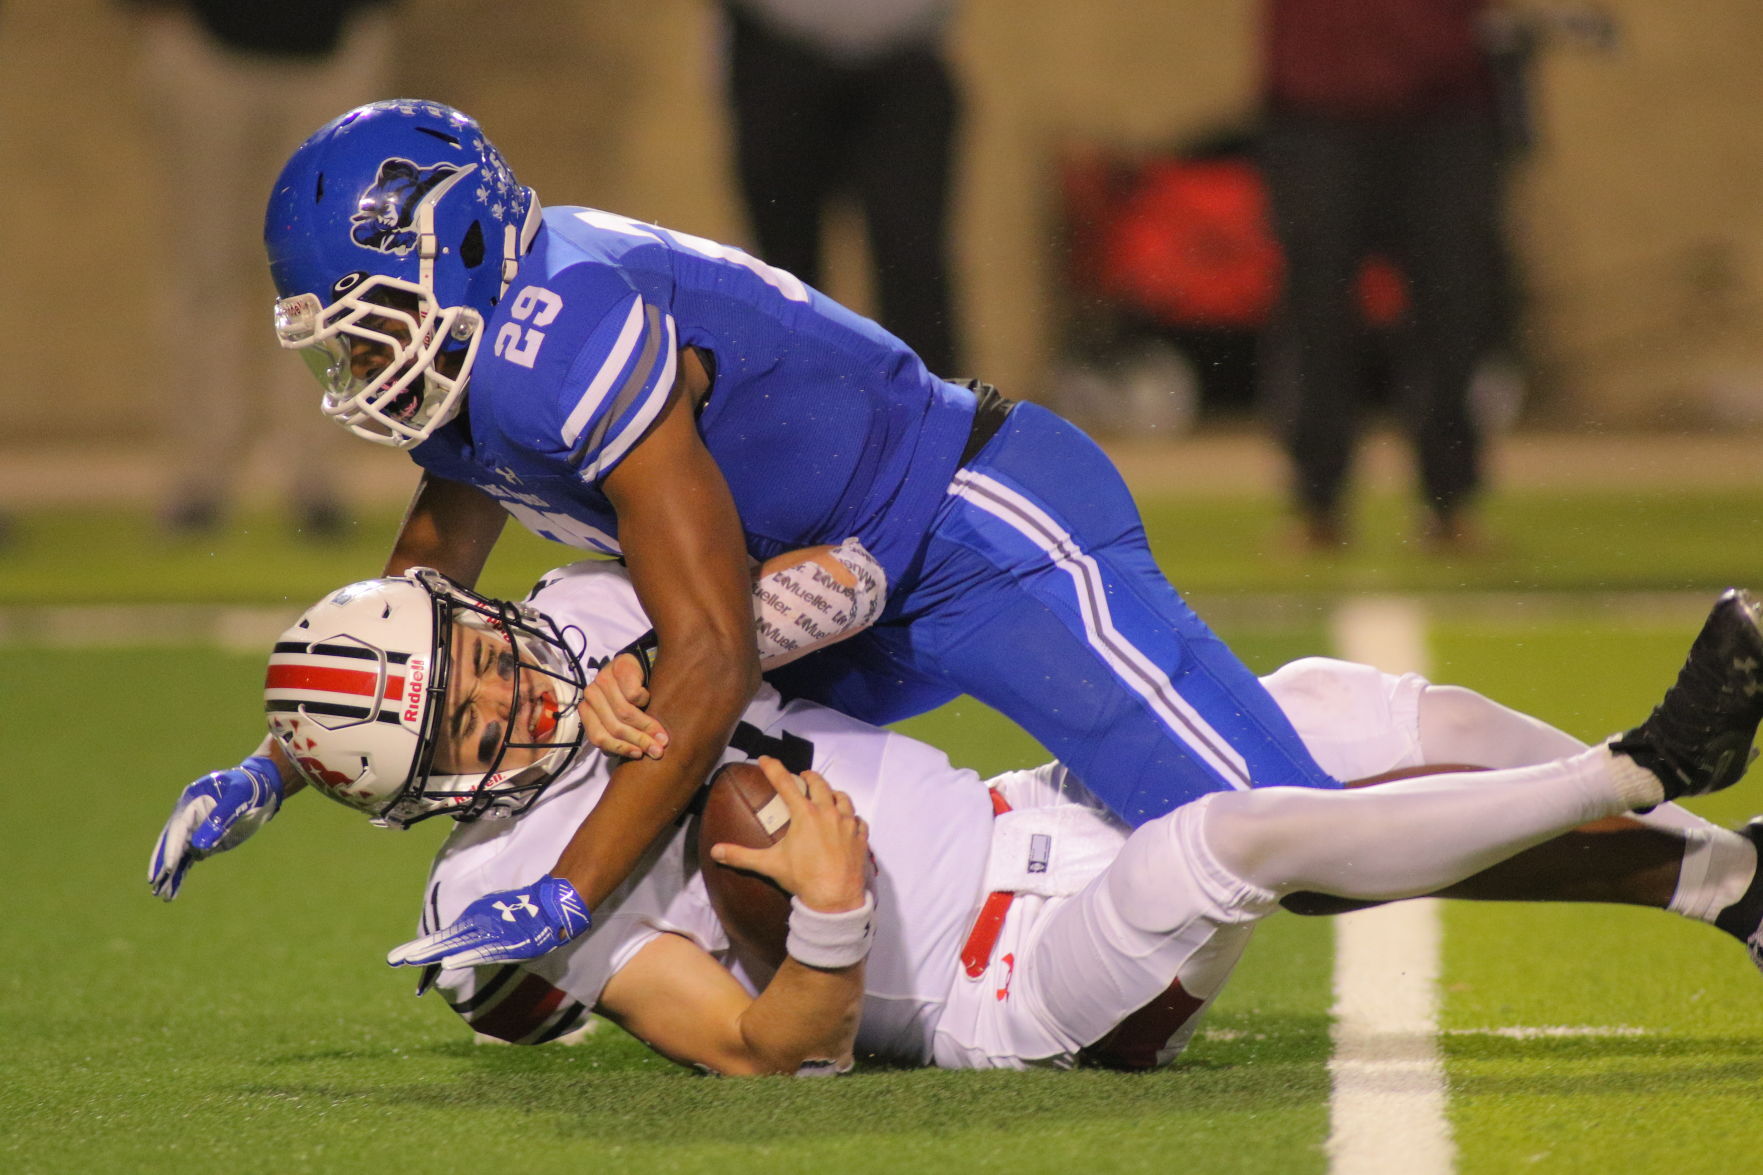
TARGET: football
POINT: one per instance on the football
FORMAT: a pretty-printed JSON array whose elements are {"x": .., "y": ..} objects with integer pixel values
[{"x": 742, "y": 808}]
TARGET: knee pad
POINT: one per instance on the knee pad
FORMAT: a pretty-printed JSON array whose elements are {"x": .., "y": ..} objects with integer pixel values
[{"x": 1167, "y": 875}]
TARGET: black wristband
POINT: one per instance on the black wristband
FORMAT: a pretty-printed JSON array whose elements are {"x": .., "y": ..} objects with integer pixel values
[{"x": 643, "y": 649}]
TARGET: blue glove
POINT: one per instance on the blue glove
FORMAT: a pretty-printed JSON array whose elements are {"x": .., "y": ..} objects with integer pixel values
[
  {"x": 216, "y": 813},
  {"x": 502, "y": 927}
]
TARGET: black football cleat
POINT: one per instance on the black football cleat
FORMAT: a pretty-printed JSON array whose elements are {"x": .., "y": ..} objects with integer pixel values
[
  {"x": 1698, "y": 739},
  {"x": 1744, "y": 918}
]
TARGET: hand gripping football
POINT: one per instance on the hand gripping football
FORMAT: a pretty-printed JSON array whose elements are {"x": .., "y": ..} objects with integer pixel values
[{"x": 742, "y": 808}]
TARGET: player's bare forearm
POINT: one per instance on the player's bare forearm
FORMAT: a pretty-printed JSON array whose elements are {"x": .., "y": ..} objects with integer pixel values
[
  {"x": 700, "y": 701},
  {"x": 692, "y": 1010},
  {"x": 683, "y": 545},
  {"x": 292, "y": 780},
  {"x": 451, "y": 527},
  {"x": 686, "y": 1006},
  {"x": 804, "y": 1014},
  {"x": 809, "y": 1010}
]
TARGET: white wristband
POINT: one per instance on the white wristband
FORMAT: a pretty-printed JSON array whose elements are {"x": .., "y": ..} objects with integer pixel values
[{"x": 831, "y": 941}]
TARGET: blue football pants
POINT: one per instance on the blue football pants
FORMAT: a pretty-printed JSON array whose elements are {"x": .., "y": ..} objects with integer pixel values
[{"x": 1037, "y": 595}]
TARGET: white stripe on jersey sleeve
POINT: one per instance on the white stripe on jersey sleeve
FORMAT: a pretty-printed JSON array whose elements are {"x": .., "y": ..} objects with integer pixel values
[
  {"x": 637, "y": 404},
  {"x": 622, "y": 348}
]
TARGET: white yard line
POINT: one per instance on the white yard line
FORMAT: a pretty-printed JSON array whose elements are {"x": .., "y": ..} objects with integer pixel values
[
  {"x": 1554, "y": 1031},
  {"x": 126, "y": 626},
  {"x": 1388, "y": 1107}
]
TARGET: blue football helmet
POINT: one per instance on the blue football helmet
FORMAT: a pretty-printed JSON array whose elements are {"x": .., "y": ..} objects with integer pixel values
[{"x": 392, "y": 232}]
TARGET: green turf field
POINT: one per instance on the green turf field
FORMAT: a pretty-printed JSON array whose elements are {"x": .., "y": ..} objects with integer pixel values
[
  {"x": 250, "y": 1026},
  {"x": 1599, "y": 539}
]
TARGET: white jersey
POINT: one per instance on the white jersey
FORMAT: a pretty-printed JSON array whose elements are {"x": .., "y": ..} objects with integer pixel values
[
  {"x": 1061, "y": 978},
  {"x": 938, "y": 849},
  {"x": 930, "y": 827}
]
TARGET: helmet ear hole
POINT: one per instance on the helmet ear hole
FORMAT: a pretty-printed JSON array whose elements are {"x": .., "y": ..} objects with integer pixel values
[{"x": 471, "y": 249}]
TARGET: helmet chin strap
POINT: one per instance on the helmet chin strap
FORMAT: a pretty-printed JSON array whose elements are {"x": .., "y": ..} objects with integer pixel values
[
  {"x": 463, "y": 791},
  {"x": 515, "y": 243},
  {"x": 427, "y": 243}
]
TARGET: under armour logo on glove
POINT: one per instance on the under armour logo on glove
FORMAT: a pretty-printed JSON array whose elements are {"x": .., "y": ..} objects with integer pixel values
[
  {"x": 524, "y": 904},
  {"x": 503, "y": 927}
]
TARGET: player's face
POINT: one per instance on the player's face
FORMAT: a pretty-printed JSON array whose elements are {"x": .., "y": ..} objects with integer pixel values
[
  {"x": 369, "y": 357},
  {"x": 492, "y": 700}
]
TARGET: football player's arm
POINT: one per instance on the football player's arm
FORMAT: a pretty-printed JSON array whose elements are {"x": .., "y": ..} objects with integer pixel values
[
  {"x": 687, "y": 558},
  {"x": 292, "y": 779},
  {"x": 803, "y": 600},
  {"x": 684, "y": 1005},
  {"x": 451, "y": 527}
]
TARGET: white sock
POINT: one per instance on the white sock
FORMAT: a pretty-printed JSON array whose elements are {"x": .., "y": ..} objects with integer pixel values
[
  {"x": 1718, "y": 865},
  {"x": 1638, "y": 787}
]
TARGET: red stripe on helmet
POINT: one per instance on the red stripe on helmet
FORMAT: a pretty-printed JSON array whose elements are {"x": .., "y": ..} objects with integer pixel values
[{"x": 322, "y": 679}]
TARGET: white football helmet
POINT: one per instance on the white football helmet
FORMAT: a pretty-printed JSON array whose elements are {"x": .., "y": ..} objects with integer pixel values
[{"x": 355, "y": 693}]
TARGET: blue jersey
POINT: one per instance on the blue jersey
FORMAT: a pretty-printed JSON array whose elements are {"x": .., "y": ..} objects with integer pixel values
[
  {"x": 824, "y": 425},
  {"x": 1019, "y": 575}
]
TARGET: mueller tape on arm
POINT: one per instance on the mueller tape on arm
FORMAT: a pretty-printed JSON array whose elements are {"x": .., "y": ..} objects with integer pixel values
[{"x": 804, "y": 607}]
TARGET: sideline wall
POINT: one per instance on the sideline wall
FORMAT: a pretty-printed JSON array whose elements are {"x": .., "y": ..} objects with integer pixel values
[{"x": 1640, "y": 219}]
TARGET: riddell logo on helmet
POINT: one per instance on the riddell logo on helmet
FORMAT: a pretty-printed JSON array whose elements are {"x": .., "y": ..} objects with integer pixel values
[{"x": 413, "y": 684}]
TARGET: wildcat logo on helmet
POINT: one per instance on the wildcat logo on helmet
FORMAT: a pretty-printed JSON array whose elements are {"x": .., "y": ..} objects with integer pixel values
[{"x": 387, "y": 211}]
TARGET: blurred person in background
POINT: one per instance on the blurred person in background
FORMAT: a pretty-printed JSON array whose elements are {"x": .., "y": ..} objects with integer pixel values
[
  {"x": 230, "y": 87},
  {"x": 1381, "y": 135},
  {"x": 836, "y": 96}
]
